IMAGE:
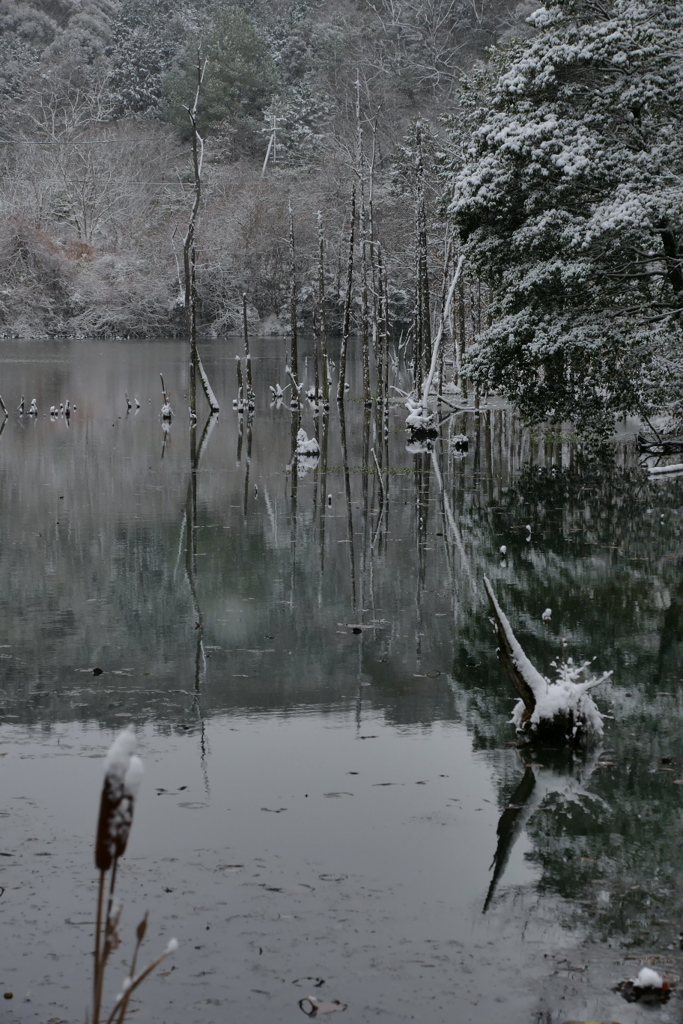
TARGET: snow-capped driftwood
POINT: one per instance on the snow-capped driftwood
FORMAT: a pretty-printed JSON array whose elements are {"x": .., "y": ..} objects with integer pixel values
[
  {"x": 675, "y": 467},
  {"x": 166, "y": 410},
  {"x": 208, "y": 390},
  {"x": 563, "y": 708},
  {"x": 659, "y": 445}
]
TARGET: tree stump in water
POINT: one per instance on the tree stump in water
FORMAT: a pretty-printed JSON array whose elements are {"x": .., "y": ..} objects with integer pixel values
[{"x": 562, "y": 711}]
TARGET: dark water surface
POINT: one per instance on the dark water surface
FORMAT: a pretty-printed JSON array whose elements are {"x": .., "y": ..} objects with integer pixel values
[{"x": 325, "y": 728}]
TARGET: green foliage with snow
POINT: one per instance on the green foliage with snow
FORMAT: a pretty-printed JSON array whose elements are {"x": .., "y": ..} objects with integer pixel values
[
  {"x": 146, "y": 41},
  {"x": 566, "y": 194},
  {"x": 240, "y": 75}
]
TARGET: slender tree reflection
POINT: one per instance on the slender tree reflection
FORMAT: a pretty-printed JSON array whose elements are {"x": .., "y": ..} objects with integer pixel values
[
  {"x": 250, "y": 424},
  {"x": 294, "y": 493},
  {"x": 347, "y": 493},
  {"x": 323, "y": 500},
  {"x": 564, "y": 778},
  {"x": 191, "y": 535}
]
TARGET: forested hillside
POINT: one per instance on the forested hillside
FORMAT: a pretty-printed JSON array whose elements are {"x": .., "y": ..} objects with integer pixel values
[
  {"x": 542, "y": 144},
  {"x": 94, "y": 188}
]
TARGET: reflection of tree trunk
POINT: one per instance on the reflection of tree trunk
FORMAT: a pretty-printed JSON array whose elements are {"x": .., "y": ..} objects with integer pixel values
[
  {"x": 190, "y": 522},
  {"x": 671, "y": 633},
  {"x": 454, "y": 533},
  {"x": 365, "y": 493},
  {"x": 248, "y": 462},
  {"x": 380, "y": 346},
  {"x": 380, "y": 490},
  {"x": 316, "y": 476},
  {"x": 347, "y": 489},
  {"x": 191, "y": 514},
  {"x": 423, "y": 511},
  {"x": 563, "y": 777},
  {"x": 323, "y": 497},
  {"x": 421, "y": 476},
  {"x": 510, "y": 825},
  {"x": 489, "y": 454},
  {"x": 294, "y": 483},
  {"x": 448, "y": 545},
  {"x": 384, "y": 448}
]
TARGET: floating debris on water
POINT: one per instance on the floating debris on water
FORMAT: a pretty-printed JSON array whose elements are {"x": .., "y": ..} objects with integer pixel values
[
  {"x": 648, "y": 987},
  {"x": 312, "y": 1006}
]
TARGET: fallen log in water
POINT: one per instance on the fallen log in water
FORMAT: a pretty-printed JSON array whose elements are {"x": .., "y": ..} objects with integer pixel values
[
  {"x": 553, "y": 710},
  {"x": 659, "y": 445},
  {"x": 674, "y": 467}
]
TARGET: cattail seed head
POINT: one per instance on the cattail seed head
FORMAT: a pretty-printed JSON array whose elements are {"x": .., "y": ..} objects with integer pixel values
[
  {"x": 123, "y": 772},
  {"x": 141, "y": 929}
]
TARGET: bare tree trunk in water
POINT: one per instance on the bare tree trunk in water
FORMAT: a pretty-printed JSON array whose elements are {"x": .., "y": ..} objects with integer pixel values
[
  {"x": 347, "y": 301},
  {"x": 380, "y": 320},
  {"x": 293, "y": 353},
  {"x": 323, "y": 316},
  {"x": 251, "y": 396},
  {"x": 190, "y": 258},
  {"x": 364, "y": 241},
  {"x": 424, "y": 304}
]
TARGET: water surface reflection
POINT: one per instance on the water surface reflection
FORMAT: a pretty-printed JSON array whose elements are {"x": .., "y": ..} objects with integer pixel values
[{"x": 306, "y": 641}]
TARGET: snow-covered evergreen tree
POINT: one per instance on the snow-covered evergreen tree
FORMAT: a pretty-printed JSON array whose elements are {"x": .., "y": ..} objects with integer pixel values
[
  {"x": 148, "y": 36},
  {"x": 567, "y": 195},
  {"x": 239, "y": 80}
]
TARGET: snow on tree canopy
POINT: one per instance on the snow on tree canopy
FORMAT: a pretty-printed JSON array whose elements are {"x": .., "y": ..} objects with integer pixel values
[{"x": 564, "y": 185}]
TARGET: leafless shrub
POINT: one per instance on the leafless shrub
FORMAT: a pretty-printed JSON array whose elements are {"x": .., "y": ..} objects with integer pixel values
[{"x": 36, "y": 277}]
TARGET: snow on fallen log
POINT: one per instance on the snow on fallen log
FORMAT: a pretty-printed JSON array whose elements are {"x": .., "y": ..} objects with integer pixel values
[
  {"x": 208, "y": 390},
  {"x": 564, "y": 706},
  {"x": 676, "y": 467}
]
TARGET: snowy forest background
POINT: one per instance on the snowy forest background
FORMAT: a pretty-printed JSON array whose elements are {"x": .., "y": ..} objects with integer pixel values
[{"x": 544, "y": 145}]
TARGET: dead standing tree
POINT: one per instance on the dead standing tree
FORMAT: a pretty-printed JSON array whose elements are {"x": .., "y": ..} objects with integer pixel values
[
  {"x": 190, "y": 258},
  {"x": 293, "y": 368},
  {"x": 423, "y": 341},
  {"x": 365, "y": 231},
  {"x": 346, "y": 329},
  {"x": 323, "y": 319}
]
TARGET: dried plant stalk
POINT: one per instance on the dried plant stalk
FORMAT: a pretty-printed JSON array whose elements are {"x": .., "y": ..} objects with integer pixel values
[{"x": 122, "y": 776}]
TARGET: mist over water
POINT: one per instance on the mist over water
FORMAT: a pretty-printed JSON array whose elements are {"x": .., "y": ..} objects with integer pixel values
[{"x": 308, "y": 658}]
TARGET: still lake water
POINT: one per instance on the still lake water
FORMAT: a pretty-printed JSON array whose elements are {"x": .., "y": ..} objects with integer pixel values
[{"x": 325, "y": 728}]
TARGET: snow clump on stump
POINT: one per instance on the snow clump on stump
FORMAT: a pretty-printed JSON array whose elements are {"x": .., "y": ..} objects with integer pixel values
[{"x": 563, "y": 707}]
